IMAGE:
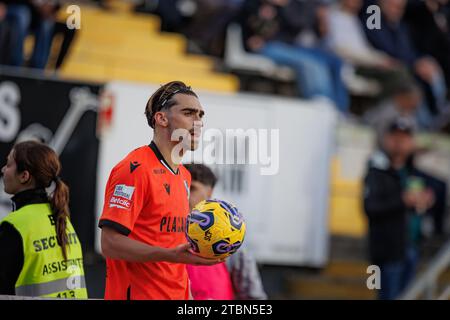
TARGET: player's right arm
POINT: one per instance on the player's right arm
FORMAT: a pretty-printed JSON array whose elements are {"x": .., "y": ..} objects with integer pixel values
[
  {"x": 118, "y": 246},
  {"x": 125, "y": 196}
]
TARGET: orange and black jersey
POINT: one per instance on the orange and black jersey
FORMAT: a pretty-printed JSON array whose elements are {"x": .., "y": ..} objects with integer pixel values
[{"x": 148, "y": 202}]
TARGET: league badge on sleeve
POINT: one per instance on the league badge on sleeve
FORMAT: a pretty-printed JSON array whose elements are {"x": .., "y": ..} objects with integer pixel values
[{"x": 122, "y": 197}]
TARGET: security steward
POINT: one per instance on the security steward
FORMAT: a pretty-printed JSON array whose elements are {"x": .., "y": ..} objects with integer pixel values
[{"x": 40, "y": 254}]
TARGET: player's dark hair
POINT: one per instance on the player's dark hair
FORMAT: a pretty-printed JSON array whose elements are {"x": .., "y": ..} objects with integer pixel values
[
  {"x": 44, "y": 167},
  {"x": 163, "y": 98},
  {"x": 201, "y": 173}
]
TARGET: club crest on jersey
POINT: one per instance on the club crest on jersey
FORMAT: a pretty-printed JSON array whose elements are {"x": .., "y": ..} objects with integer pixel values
[{"x": 167, "y": 187}]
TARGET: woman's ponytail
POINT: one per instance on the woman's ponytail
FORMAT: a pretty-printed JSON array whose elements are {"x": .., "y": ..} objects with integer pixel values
[{"x": 60, "y": 206}]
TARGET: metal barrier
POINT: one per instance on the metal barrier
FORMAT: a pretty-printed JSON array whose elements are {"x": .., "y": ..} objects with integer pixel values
[
  {"x": 5, "y": 297},
  {"x": 426, "y": 283}
]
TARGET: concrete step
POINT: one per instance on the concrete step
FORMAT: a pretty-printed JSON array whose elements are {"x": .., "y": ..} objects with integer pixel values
[
  {"x": 143, "y": 59},
  {"x": 342, "y": 280},
  {"x": 324, "y": 287},
  {"x": 103, "y": 73},
  {"x": 108, "y": 42},
  {"x": 345, "y": 248},
  {"x": 346, "y": 269}
]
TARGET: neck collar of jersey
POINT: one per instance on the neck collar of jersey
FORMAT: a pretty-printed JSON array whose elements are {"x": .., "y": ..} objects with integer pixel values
[
  {"x": 30, "y": 196},
  {"x": 160, "y": 157}
]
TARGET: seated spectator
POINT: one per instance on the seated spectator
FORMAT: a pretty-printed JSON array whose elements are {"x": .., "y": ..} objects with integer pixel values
[
  {"x": 172, "y": 18},
  {"x": 271, "y": 27},
  {"x": 18, "y": 19},
  {"x": 348, "y": 39},
  {"x": 208, "y": 24},
  {"x": 394, "y": 39},
  {"x": 24, "y": 16},
  {"x": 43, "y": 23},
  {"x": 311, "y": 18},
  {"x": 429, "y": 24}
]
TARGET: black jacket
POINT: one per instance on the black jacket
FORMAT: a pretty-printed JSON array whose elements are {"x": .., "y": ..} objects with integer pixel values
[{"x": 387, "y": 215}]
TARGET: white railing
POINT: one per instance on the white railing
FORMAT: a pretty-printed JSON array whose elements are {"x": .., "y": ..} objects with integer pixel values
[{"x": 426, "y": 283}]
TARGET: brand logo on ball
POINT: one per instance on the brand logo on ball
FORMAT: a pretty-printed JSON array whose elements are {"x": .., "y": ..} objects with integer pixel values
[
  {"x": 204, "y": 219},
  {"x": 225, "y": 247},
  {"x": 235, "y": 217}
]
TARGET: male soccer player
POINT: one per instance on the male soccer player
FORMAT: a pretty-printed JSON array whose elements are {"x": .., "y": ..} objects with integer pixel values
[{"x": 146, "y": 205}]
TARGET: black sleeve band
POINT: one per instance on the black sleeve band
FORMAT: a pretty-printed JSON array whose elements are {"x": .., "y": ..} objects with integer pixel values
[{"x": 115, "y": 226}]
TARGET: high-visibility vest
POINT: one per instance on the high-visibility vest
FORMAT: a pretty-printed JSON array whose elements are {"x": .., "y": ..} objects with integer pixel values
[{"x": 45, "y": 272}]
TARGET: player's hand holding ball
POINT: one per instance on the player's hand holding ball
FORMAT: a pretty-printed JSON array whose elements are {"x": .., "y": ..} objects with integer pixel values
[{"x": 183, "y": 254}]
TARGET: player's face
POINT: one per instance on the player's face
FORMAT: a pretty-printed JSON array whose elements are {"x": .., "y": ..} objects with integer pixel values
[
  {"x": 11, "y": 179},
  {"x": 187, "y": 114},
  {"x": 198, "y": 193}
]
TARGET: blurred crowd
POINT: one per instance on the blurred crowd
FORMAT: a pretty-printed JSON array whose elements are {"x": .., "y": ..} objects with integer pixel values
[
  {"x": 402, "y": 46},
  {"x": 405, "y": 50}
]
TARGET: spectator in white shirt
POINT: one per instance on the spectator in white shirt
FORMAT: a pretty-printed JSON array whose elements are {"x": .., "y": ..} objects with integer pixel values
[
  {"x": 348, "y": 40},
  {"x": 347, "y": 37}
]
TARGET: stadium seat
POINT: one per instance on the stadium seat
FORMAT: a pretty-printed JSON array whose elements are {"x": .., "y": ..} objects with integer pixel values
[{"x": 238, "y": 60}]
